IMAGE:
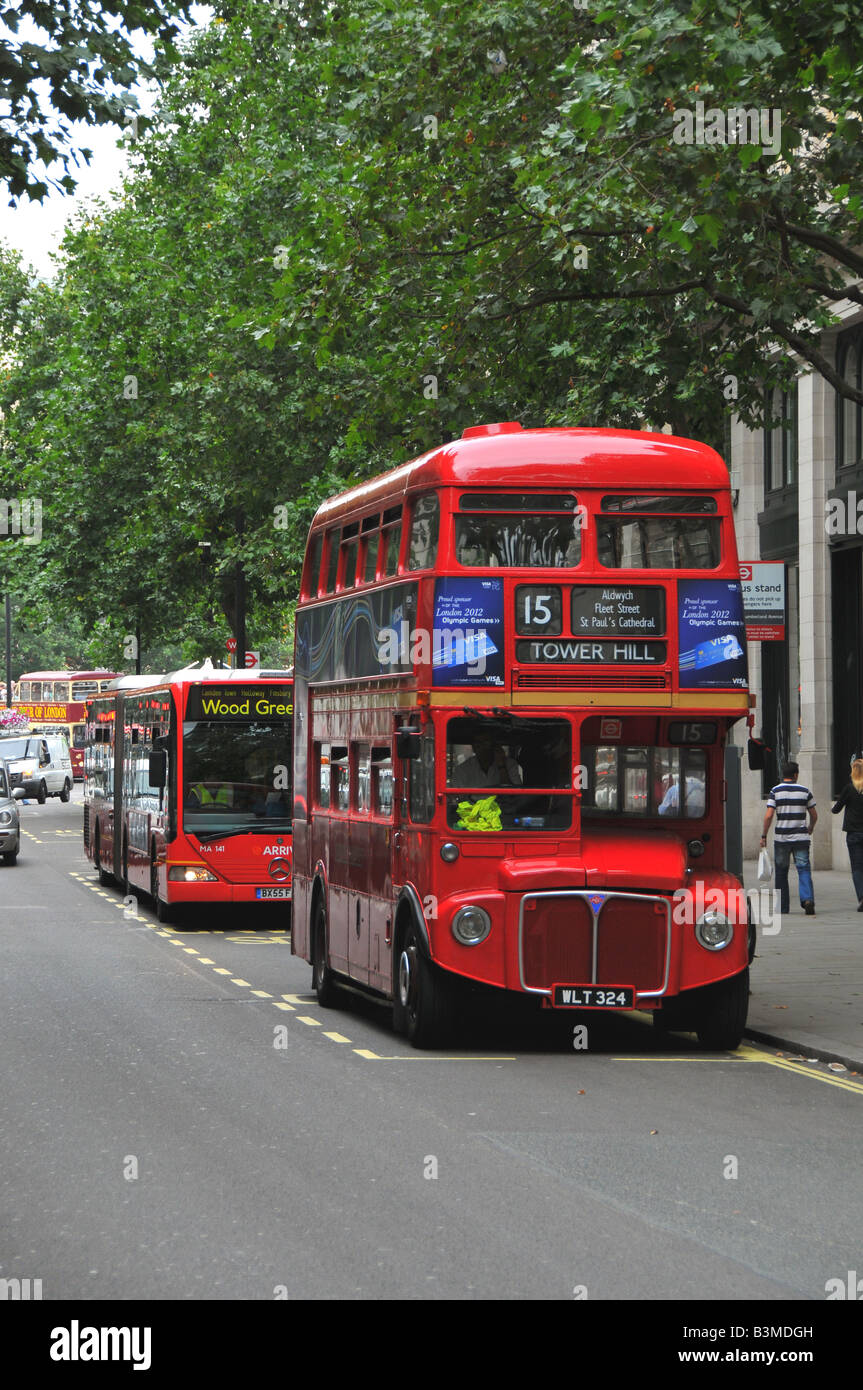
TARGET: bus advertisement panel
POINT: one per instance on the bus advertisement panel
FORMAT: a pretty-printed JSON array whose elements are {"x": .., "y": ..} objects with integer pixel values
[
  {"x": 188, "y": 787},
  {"x": 518, "y": 660}
]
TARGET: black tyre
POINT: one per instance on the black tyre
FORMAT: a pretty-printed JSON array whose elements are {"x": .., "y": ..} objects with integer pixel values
[
  {"x": 104, "y": 877},
  {"x": 752, "y": 941},
  {"x": 323, "y": 980},
  {"x": 722, "y": 1010},
  {"x": 10, "y": 856},
  {"x": 424, "y": 1005},
  {"x": 66, "y": 792},
  {"x": 162, "y": 909},
  {"x": 42, "y": 793}
]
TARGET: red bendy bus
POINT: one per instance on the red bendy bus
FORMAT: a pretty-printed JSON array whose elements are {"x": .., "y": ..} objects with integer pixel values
[
  {"x": 55, "y": 702},
  {"x": 517, "y": 662},
  {"x": 187, "y": 790}
]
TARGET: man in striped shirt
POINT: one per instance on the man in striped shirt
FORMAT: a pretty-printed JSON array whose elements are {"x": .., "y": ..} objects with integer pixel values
[{"x": 790, "y": 802}]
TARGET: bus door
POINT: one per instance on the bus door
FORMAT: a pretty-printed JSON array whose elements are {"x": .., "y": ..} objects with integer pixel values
[
  {"x": 359, "y": 844},
  {"x": 338, "y": 859},
  {"x": 379, "y": 866}
]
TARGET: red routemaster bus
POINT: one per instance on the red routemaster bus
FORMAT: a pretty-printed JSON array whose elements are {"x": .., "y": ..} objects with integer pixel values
[
  {"x": 517, "y": 662},
  {"x": 55, "y": 701},
  {"x": 187, "y": 792}
]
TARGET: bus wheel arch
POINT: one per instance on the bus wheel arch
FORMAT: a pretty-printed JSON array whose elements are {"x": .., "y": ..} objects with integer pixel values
[
  {"x": 162, "y": 909},
  {"x": 423, "y": 995}
]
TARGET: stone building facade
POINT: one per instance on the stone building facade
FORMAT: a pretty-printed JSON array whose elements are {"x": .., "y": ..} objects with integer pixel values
[{"x": 797, "y": 491}]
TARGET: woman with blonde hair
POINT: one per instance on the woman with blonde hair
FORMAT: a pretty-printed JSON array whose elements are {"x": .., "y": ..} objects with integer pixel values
[{"x": 851, "y": 797}]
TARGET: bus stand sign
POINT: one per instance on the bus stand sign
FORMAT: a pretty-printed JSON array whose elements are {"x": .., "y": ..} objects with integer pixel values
[{"x": 763, "y": 584}]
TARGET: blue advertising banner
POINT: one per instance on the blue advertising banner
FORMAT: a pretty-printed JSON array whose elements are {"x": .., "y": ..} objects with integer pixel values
[
  {"x": 712, "y": 634},
  {"x": 468, "y": 636}
]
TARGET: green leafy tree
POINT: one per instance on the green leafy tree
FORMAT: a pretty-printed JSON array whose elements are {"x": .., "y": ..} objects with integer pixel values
[{"x": 89, "y": 63}]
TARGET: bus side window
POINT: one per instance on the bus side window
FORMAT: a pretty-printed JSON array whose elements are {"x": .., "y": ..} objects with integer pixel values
[
  {"x": 322, "y": 769},
  {"x": 313, "y": 573},
  {"x": 424, "y": 532},
  {"x": 382, "y": 782},
  {"x": 363, "y": 756},
  {"x": 422, "y": 780},
  {"x": 340, "y": 784},
  {"x": 333, "y": 538}
]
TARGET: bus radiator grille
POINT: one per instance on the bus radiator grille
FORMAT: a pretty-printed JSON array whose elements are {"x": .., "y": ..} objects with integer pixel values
[
  {"x": 557, "y": 942},
  {"x": 577, "y": 680}
]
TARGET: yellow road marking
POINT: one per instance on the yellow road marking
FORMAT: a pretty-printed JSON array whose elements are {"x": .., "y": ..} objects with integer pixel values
[
  {"x": 288, "y": 1007},
  {"x": 336, "y": 1037},
  {"x": 220, "y": 970},
  {"x": 312, "y": 1022},
  {"x": 751, "y": 1054},
  {"x": 235, "y": 981},
  {"x": 190, "y": 950},
  {"x": 261, "y": 994},
  {"x": 205, "y": 960}
]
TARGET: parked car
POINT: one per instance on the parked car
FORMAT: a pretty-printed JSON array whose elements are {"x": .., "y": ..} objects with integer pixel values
[
  {"x": 39, "y": 765},
  {"x": 10, "y": 825}
]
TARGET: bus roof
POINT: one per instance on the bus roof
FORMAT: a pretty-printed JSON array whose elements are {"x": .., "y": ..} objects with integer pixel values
[
  {"x": 539, "y": 458},
  {"x": 196, "y": 674},
  {"x": 67, "y": 675}
]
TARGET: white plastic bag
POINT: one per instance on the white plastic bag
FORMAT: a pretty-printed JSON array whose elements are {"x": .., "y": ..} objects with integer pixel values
[{"x": 765, "y": 867}]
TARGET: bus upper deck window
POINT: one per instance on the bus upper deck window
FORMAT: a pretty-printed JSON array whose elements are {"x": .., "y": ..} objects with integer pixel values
[
  {"x": 333, "y": 537},
  {"x": 688, "y": 540},
  {"x": 519, "y": 530},
  {"x": 424, "y": 532},
  {"x": 313, "y": 573},
  {"x": 393, "y": 536},
  {"x": 350, "y": 571}
]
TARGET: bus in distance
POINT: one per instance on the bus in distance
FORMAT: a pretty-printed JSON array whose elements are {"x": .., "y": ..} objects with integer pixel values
[
  {"x": 187, "y": 791},
  {"x": 55, "y": 702},
  {"x": 518, "y": 659}
]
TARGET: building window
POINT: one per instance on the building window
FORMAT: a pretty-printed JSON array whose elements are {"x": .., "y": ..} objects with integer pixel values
[
  {"x": 780, "y": 441},
  {"x": 849, "y": 443}
]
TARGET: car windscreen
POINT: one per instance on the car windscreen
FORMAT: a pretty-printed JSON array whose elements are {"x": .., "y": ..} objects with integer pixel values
[{"x": 14, "y": 748}]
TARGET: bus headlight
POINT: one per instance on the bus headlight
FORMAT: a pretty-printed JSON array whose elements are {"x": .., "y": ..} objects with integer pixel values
[
  {"x": 191, "y": 873},
  {"x": 471, "y": 925},
  {"x": 713, "y": 929}
]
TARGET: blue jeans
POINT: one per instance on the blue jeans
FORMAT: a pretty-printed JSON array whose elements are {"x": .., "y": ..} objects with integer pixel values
[
  {"x": 782, "y": 858},
  {"x": 855, "y": 854}
]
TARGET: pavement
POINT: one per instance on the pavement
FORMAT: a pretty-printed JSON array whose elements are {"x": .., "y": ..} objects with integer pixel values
[{"x": 807, "y": 980}]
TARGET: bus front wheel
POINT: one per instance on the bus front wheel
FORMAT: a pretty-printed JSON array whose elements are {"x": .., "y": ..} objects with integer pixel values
[
  {"x": 423, "y": 1008},
  {"x": 721, "y": 1014},
  {"x": 323, "y": 982}
]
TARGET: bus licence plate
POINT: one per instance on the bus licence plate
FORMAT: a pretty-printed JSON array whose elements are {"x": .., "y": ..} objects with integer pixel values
[
  {"x": 593, "y": 996},
  {"x": 272, "y": 892}
]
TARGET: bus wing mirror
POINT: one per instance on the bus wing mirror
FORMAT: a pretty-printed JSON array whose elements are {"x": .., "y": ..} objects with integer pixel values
[
  {"x": 755, "y": 751},
  {"x": 158, "y": 768},
  {"x": 408, "y": 744}
]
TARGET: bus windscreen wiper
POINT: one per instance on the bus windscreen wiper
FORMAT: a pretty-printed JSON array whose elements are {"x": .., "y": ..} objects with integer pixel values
[{"x": 262, "y": 828}]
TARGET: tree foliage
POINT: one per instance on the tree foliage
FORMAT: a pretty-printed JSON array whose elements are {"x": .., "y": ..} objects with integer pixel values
[
  {"x": 89, "y": 65},
  {"x": 353, "y": 230}
]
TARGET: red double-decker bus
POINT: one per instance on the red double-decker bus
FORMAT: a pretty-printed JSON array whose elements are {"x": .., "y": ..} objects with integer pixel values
[
  {"x": 55, "y": 701},
  {"x": 518, "y": 659},
  {"x": 187, "y": 790}
]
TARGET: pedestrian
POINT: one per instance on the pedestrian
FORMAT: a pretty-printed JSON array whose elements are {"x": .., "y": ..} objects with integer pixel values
[
  {"x": 851, "y": 798},
  {"x": 789, "y": 801}
]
